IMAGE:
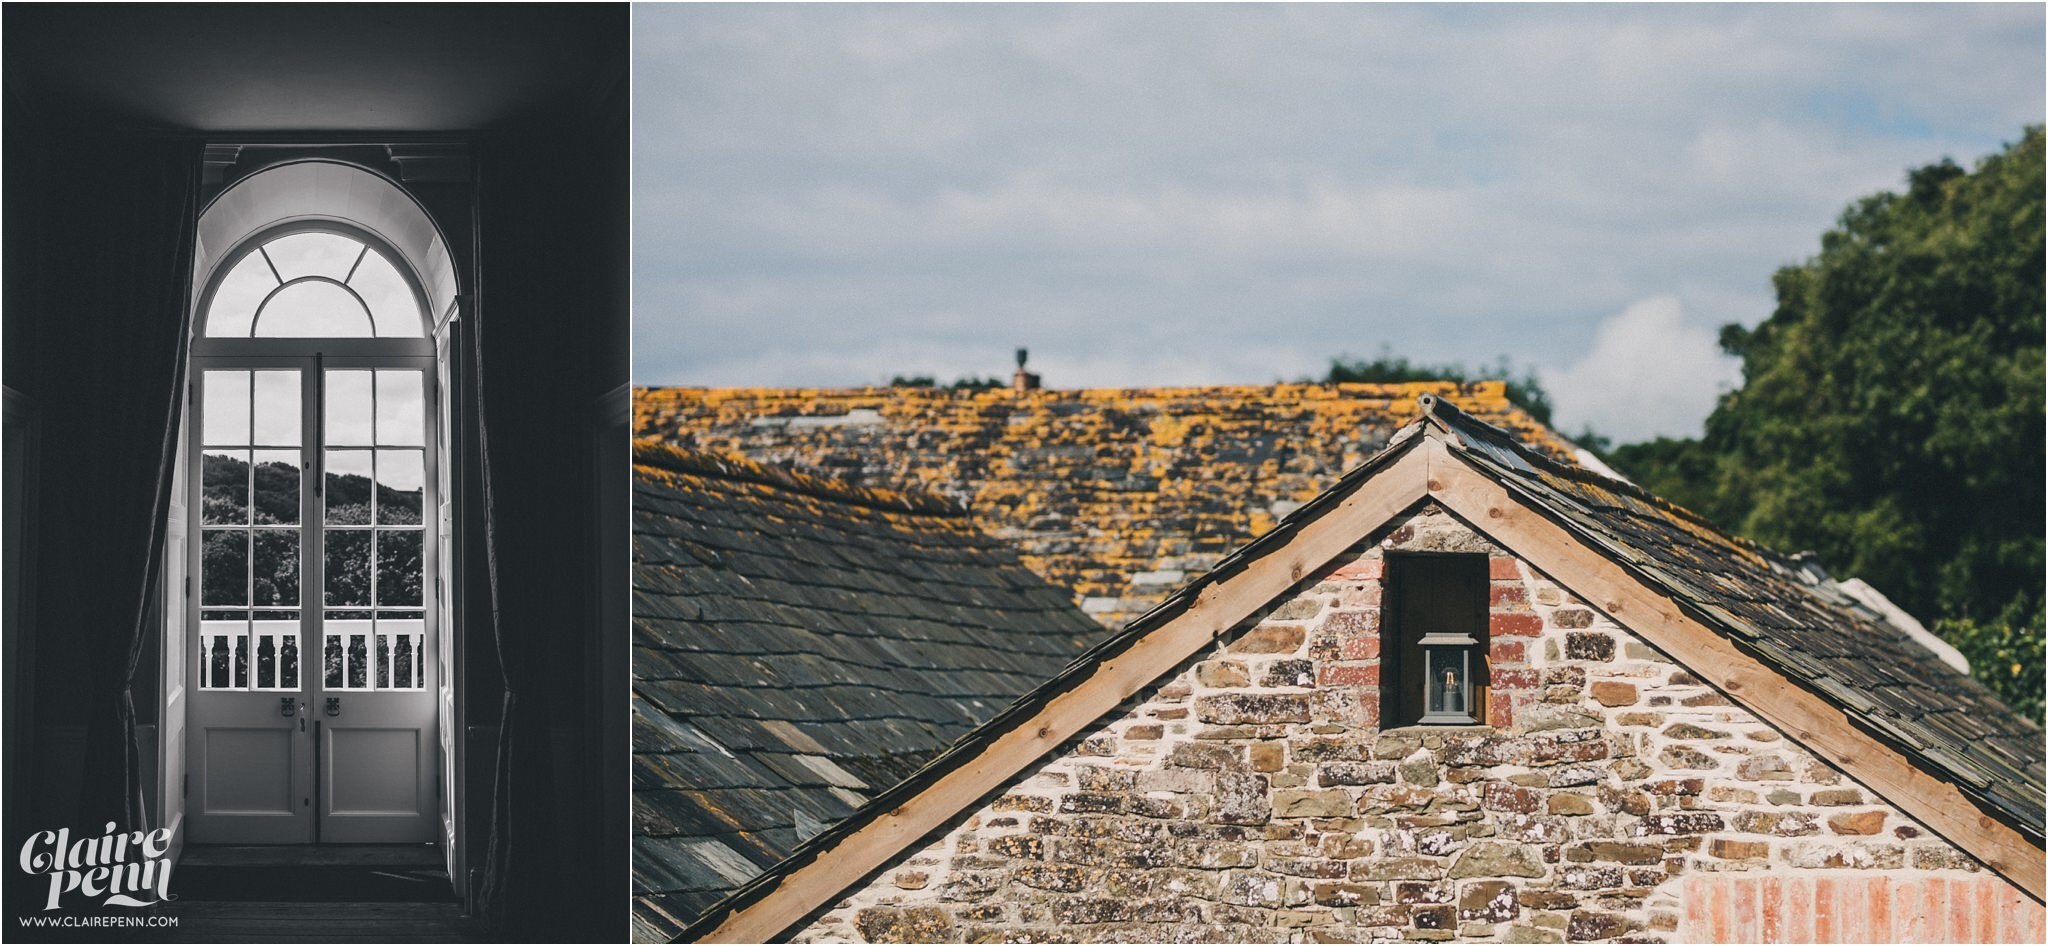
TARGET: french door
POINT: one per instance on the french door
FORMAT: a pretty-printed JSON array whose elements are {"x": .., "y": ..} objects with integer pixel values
[{"x": 312, "y": 627}]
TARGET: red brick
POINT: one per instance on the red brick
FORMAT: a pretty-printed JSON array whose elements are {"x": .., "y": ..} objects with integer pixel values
[
  {"x": 1824, "y": 907},
  {"x": 1960, "y": 905},
  {"x": 1744, "y": 910},
  {"x": 1514, "y": 679},
  {"x": 1364, "y": 569},
  {"x": 1500, "y": 710},
  {"x": 1933, "y": 912},
  {"x": 1772, "y": 929},
  {"x": 1696, "y": 910},
  {"x": 1359, "y": 648},
  {"x": 1348, "y": 675},
  {"x": 1499, "y": 568},
  {"x": 1988, "y": 905},
  {"x": 1717, "y": 912},
  {"x": 1880, "y": 910},
  {"x": 1852, "y": 910},
  {"x": 1515, "y": 625},
  {"x": 1507, "y": 592},
  {"x": 1509, "y": 651},
  {"x": 1798, "y": 910},
  {"x": 1906, "y": 900}
]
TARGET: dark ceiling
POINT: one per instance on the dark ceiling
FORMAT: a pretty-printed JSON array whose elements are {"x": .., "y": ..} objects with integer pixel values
[{"x": 312, "y": 68}]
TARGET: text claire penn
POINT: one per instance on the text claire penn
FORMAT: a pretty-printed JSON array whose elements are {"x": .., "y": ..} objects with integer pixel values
[{"x": 102, "y": 866}]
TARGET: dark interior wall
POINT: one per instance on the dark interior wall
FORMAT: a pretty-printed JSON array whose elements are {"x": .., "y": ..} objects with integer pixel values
[{"x": 538, "y": 95}]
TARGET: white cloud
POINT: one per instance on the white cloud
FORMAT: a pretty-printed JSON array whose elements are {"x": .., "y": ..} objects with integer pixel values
[
  {"x": 1649, "y": 372},
  {"x": 1164, "y": 194}
]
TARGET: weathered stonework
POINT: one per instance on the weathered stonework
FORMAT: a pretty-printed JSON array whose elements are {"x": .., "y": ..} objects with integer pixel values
[{"x": 1253, "y": 797}]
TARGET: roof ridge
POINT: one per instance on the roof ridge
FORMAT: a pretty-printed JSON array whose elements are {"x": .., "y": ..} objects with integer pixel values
[
  {"x": 1436, "y": 408},
  {"x": 1395, "y": 390},
  {"x": 667, "y": 456}
]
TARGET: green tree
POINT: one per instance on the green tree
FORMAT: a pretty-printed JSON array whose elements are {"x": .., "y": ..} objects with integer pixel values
[{"x": 1891, "y": 412}]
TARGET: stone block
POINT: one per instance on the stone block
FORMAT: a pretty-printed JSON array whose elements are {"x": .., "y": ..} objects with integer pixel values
[
  {"x": 1572, "y": 617},
  {"x": 1268, "y": 756},
  {"x": 1567, "y": 803},
  {"x": 1253, "y": 708},
  {"x": 1732, "y": 850},
  {"x": 1356, "y": 773},
  {"x": 1298, "y": 803},
  {"x": 1487, "y": 860},
  {"x": 1242, "y": 799},
  {"x": 1614, "y": 693},
  {"x": 1588, "y": 645},
  {"x": 1269, "y": 639},
  {"x": 1860, "y": 822},
  {"x": 1289, "y": 673},
  {"x": 1489, "y": 900}
]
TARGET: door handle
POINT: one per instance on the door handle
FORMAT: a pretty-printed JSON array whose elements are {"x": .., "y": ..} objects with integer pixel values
[
  {"x": 334, "y": 706},
  {"x": 289, "y": 706}
]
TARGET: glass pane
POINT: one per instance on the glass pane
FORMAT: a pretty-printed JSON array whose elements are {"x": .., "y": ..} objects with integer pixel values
[
  {"x": 277, "y": 408},
  {"x": 401, "y": 409},
  {"x": 235, "y": 298},
  {"x": 348, "y": 487},
  {"x": 226, "y": 408},
  {"x": 1447, "y": 682},
  {"x": 224, "y": 487},
  {"x": 401, "y": 481},
  {"x": 224, "y": 567},
  {"x": 390, "y": 298},
  {"x": 313, "y": 309},
  {"x": 276, "y": 500},
  {"x": 277, "y": 654},
  {"x": 313, "y": 254},
  {"x": 276, "y": 578},
  {"x": 345, "y": 657},
  {"x": 348, "y": 408},
  {"x": 401, "y": 643},
  {"x": 348, "y": 569},
  {"x": 398, "y": 568},
  {"x": 217, "y": 650}
]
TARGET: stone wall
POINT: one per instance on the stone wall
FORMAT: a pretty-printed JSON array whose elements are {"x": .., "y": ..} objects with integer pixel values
[{"x": 1252, "y": 797}]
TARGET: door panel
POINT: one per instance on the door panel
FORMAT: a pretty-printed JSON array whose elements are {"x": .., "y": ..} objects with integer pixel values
[
  {"x": 378, "y": 679},
  {"x": 248, "y": 748}
]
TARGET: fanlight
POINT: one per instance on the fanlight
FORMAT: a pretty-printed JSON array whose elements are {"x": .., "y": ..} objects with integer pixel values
[{"x": 314, "y": 285}]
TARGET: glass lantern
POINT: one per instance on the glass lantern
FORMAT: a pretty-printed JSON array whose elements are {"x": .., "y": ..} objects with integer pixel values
[{"x": 1447, "y": 678}]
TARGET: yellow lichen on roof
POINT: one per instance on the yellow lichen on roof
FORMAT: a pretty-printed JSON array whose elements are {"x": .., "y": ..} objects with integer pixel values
[{"x": 1119, "y": 494}]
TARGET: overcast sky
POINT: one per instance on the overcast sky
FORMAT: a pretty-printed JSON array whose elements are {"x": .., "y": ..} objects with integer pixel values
[{"x": 1150, "y": 195}]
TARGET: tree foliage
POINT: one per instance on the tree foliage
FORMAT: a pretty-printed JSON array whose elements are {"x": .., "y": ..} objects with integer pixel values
[{"x": 1890, "y": 416}]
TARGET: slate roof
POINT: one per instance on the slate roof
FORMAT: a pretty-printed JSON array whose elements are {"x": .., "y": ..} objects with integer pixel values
[
  {"x": 1791, "y": 617},
  {"x": 1119, "y": 495},
  {"x": 800, "y": 644},
  {"x": 1787, "y": 616}
]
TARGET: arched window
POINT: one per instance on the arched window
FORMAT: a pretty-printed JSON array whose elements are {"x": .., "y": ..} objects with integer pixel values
[
  {"x": 312, "y": 638},
  {"x": 314, "y": 284}
]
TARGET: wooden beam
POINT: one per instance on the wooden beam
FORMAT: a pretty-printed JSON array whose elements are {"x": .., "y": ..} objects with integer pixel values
[
  {"x": 1216, "y": 610},
  {"x": 1808, "y": 719}
]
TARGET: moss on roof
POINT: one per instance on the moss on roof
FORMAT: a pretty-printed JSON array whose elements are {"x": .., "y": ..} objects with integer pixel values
[{"x": 1119, "y": 495}]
